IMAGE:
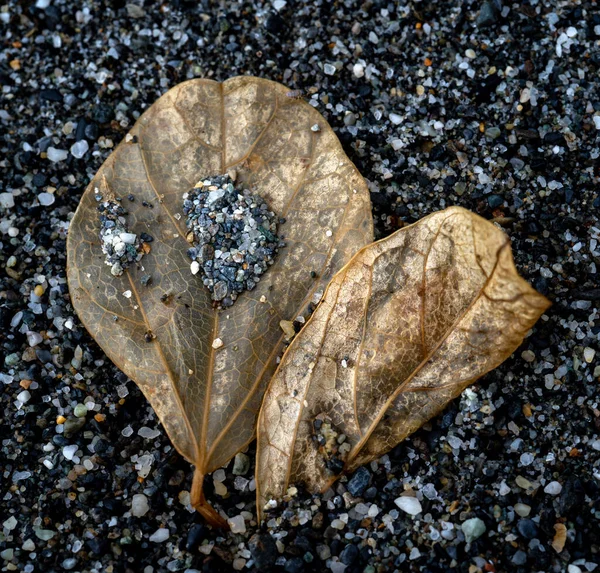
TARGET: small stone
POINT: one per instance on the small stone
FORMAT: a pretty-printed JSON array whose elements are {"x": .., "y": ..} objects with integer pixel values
[
  {"x": 527, "y": 528},
  {"x": 220, "y": 291},
  {"x": 148, "y": 433},
  {"x": 473, "y": 529},
  {"x": 56, "y": 155},
  {"x": 140, "y": 507},
  {"x": 237, "y": 524},
  {"x": 7, "y": 200},
  {"x": 44, "y": 534},
  {"x": 28, "y": 545},
  {"x": 487, "y": 15},
  {"x": 10, "y": 523},
  {"x": 46, "y": 199},
  {"x": 522, "y": 509},
  {"x": 410, "y": 505},
  {"x": 493, "y": 133},
  {"x": 7, "y": 554},
  {"x": 73, "y": 425},
  {"x": 220, "y": 488},
  {"x": 288, "y": 328},
  {"x": 217, "y": 343},
  {"x": 69, "y": 451},
  {"x": 195, "y": 267},
  {"x": 80, "y": 411},
  {"x": 349, "y": 555},
  {"x": 263, "y": 549},
  {"x": 519, "y": 558},
  {"x": 528, "y": 355},
  {"x": 238, "y": 564},
  {"x": 338, "y": 524},
  {"x": 588, "y": 354},
  {"x": 24, "y": 396},
  {"x": 553, "y": 488},
  {"x": 329, "y": 69},
  {"x": 359, "y": 481},
  {"x": 160, "y": 535},
  {"x": 241, "y": 464}
]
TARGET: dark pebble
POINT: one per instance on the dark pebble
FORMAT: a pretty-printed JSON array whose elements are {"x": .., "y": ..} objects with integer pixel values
[
  {"x": 194, "y": 536},
  {"x": 349, "y": 555},
  {"x": 294, "y": 565},
  {"x": 263, "y": 549},
  {"x": 519, "y": 558},
  {"x": 495, "y": 201},
  {"x": 103, "y": 113},
  {"x": 487, "y": 15},
  {"x": 51, "y": 95},
  {"x": 571, "y": 497},
  {"x": 359, "y": 481},
  {"x": 275, "y": 24},
  {"x": 555, "y": 138},
  {"x": 39, "y": 180},
  {"x": 527, "y": 528}
]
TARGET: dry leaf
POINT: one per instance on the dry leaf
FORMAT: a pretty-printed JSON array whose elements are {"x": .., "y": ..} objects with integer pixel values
[
  {"x": 207, "y": 395},
  {"x": 402, "y": 330}
]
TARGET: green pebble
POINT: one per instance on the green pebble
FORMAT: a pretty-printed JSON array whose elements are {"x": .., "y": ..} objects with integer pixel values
[
  {"x": 492, "y": 132},
  {"x": 12, "y": 359},
  {"x": 473, "y": 529},
  {"x": 80, "y": 411},
  {"x": 72, "y": 426},
  {"x": 44, "y": 534}
]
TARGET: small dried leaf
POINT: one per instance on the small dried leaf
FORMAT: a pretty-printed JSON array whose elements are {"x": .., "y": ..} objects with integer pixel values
[
  {"x": 204, "y": 371},
  {"x": 402, "y": 330}
]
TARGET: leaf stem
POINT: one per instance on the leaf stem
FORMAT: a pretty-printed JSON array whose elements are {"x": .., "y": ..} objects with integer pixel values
[{"x": 207, "y": 511}]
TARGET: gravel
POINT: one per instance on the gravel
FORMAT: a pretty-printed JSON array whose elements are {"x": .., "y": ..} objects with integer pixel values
[
  {"x": 490, "y": 105},
  {"x": 234, "y": 236}
]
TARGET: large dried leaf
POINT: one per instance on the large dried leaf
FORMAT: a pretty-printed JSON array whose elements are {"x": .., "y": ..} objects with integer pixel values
[
  {"x": 208, "y": 399},
  {"x": 402, "y": 330}
]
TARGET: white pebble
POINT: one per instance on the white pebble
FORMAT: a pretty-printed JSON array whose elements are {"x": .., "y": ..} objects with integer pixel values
[
  {"x": 358, "y": 70},
  {"x": 217, "y": 343},
  {"x": 46, "y": 199},
  {"x": 395, "y": 118},
  {"x": 470, "y": 53},
  {"x": 56, "y": 155},
  {"x": 329, "y": 69},
  {"x": 127, "y": 294},
  {"x": 148, "y": 433},
  {"x": 139, "y": 505},
  {"x": 553, "y": 488},
  {"x": 69, "y": 451},
  {"x": 79, "y": 148},
  {"x": 597, "y": 121},
  {"x": 24, "y": 396},
  {"x": 128, "y": 238},
  {"x": 195, "y": 267},
  {"x": 522, "y": 509},
  {"x": 526, "y": 459},
  {"x": 410, "y": 505},
  {"x": 160, "y": 535},
  {"x": 7, "y": 200},
  {"x": 338, "y": 524},
  {"x": 10, "y": 523},
  {"x": 237, "y": 524}
]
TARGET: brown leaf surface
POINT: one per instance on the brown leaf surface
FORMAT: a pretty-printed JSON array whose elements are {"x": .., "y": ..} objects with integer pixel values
[
  {"x": 402, "y": 330},
  {"x": 208, "y": 399}
]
